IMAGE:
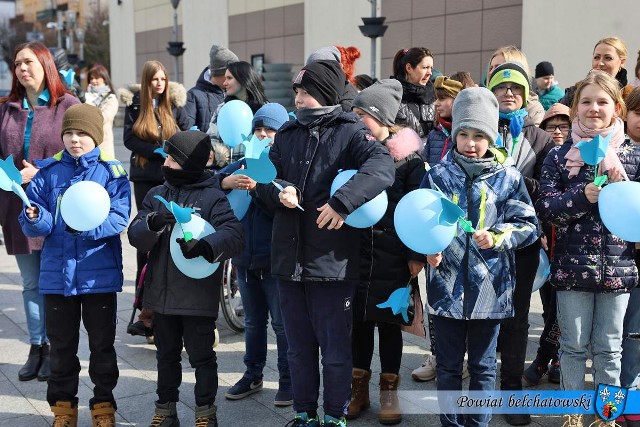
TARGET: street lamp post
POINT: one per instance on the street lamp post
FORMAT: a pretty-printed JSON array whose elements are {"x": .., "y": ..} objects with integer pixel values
[
  {"x": 373, "y": 28},
  {"x": 80, "y": 36},
  {"x": 71, "y": 23},
  {"x": 175, "y": 48}
]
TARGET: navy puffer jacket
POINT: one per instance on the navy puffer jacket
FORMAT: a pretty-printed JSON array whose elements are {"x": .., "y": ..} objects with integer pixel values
[
  {"x": 437, "y": 146},
  {"x": 587, "y": 257},
  {"x": 202, "y": 101}
]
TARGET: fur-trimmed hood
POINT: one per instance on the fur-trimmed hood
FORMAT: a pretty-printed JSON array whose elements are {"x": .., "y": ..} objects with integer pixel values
[
  {"x": 177, "y": 94},
  {"x": 404, "y": 143}
]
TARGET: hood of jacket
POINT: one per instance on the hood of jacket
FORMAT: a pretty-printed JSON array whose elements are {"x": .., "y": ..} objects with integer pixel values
[
  {"x": 205, "y": 85},
  {"x": 403, "y": 143},
  {"x": 177, "y": 94}
]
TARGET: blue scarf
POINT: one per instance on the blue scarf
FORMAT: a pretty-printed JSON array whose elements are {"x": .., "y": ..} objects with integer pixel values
[{"x": 516, "y": 122}]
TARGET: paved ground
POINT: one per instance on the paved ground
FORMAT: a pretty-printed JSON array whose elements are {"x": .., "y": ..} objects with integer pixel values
[{"x": 23, "y": 404}]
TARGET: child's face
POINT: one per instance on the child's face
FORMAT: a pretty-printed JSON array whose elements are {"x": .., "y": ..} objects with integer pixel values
[
  {"x": 304, "y": 100},
  {"x": 633, "y": 125},
  {"x": 596, "y": 109},
  {"x": 77, "y": 142},
  {"x": 558, "y": 128},
  {"x": 510, "y": 96},
  {"x": 170, "y": 162},
  {"x": 374, "y": 125},
  {"x": 443, "y": 107},
  {"x": 544, "y": 82},
  {"x": 472, "y": 143},
  {"x": 264, "y": 132}
]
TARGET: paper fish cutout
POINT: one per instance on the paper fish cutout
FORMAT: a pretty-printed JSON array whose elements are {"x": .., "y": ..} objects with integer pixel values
[
  {"x": 182, "y": 215},
  {"x": 254, "y": 147},
  {"x": 260, "y": 170},
  {"x": 160, "y": 151},
  {"x": 11, "y": 179},
  {"x": 398, "y": 302},
  {"x": 592, "y": 152}
]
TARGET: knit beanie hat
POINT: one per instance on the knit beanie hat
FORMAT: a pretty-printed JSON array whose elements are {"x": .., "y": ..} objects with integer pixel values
[
  {"x": 475, "y": 108},
  {"x": 381, "y": 100},
  {"x": 190, "y": 149},
  {"x": 271, "y": 115},
  {"x": 449, "y": 86},
  {"x": 544, "y": 69},
  {"x": 324, "y": 80},
  {"x": 86, "y": 118},
  {"x": 219, "y": 58},
  {"x": 327, "y": 53},
  {"x": 510, "y": 72}
]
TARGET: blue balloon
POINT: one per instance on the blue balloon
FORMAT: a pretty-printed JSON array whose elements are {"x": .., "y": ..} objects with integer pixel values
[
  {"x": 419, "y": 223},
  {"x": 619, "y": 206},
  {"x": 234, "y": 122},
  {"x": 196, "y": 268},
  {"x": 239, "y": 201},
  {"x": 85, "y": 205},
  {"x": 543, "y": 272},
  {"x": 369, "y": 213}
]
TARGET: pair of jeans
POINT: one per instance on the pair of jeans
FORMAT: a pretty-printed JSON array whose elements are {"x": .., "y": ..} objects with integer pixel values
[
  {"x": 630, "y": 374},
  {"x": 261, "y": 300},
  {"x": 29, "y": 266},
  {"x": 550, "y": 337},
  {"x": 197, "y": 333},
  {"x": 318, "y": 316},
  {"x": 593, "y": 320},
  {"x": 98, "y": 313},
  {"x": 477, "y": 337}
]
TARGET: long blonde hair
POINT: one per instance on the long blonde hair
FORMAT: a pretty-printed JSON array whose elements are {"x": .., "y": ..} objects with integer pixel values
[
  {"x": 150, "y": 121},
  {"x": 510, "y": 53}
]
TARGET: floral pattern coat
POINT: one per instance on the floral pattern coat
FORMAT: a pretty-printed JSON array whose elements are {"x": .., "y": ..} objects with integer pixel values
[{"x": 587, "y": 256}]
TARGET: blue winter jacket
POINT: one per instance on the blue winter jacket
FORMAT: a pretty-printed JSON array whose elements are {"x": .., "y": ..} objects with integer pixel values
[
  {"x": 202, "y": 101},
  {"x": 438, "y": 145},
  {"x": 76, "y": 263},
  {"x": 474, "y": 283}
]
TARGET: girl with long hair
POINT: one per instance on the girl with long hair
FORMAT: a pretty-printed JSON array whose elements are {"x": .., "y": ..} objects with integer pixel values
[{"x": 101, "y": 94}]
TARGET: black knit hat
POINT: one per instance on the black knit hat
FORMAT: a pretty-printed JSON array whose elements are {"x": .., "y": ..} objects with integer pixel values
[
  {"x": 324, "y": 80},
  {"x": 544, "y": 69},
  {"x": 190, "y": 149}
]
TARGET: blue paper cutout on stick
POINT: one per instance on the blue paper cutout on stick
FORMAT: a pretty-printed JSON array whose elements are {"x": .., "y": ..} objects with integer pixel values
[
  {"x": 239, "y": 201},
  {"x": 592, "y": 152},
  {"x": 183, "y": 215},
  {"x": 260, "y": 170},
  {"x": 11, "y": 179},
  {"x": 253, "y": 147},
  {"x": 398, "y": 302}
]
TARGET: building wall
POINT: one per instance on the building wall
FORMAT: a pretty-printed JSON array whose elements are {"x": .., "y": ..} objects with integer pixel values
[
  {"x": 122, "y": 41},
  {"x": 565, "y": 35},
  {"x": 461, "y": 34}
]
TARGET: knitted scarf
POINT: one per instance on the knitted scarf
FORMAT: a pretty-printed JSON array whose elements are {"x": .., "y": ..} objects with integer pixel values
[
  {"x": 516, "y": 122},
  {"x": 611, "y": 160}
]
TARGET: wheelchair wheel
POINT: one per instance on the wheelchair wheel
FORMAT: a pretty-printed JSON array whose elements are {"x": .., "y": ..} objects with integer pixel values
[{"x": 230, "y": 299}]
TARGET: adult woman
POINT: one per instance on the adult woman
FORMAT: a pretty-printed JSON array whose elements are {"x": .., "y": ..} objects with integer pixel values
[
  {"x": 609, "y": 55},
  {"x": 243, "y": 83},
  {"x": 153, "y": 114},
  {"x": 101, "y": 94},
  {"x": 413, "y": 68},
  {"x": 30, "y": 128}
]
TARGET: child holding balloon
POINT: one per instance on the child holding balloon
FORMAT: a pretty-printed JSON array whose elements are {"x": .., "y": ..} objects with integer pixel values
[
  {"x": 473, "y": 279},
  {"x": 81, "y": 268},
  {"x": 592, "y": 269},
  {"x": 185, "y": 304}
]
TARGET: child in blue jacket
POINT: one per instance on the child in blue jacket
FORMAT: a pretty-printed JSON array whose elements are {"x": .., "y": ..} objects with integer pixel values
[
  {"x": 471, "y": 287},
  {"x": 80, "y": 272}
]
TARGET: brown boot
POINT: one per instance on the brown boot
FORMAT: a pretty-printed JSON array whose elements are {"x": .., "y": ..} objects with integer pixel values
[
  {"x": 103, "y": 415},
  {"x": 389, "y": 405},
  {"x": 64, "y": 415},
  {"x": 359, "y": 392}
]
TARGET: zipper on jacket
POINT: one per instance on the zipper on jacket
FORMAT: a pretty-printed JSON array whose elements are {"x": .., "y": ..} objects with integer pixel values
[{"x": 465, "y": 262}]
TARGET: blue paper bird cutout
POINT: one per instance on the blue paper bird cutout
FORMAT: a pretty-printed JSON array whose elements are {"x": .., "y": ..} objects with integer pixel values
[
  {"x": 260, "y": 170},
  {"x": 194, "y": 127},
  {"x": 592, "y": 152},
  {"x": 253, "y": 147},
  {"x": 68, "y": 75},
  {"x": 11, "y": 179},
  {"x": 183, "y": 215},
  {"x": 160, "y": 151},
  {"x": 293, "y": 115},
  {"x": 398, "y": 302},
  {"x": 450, "y": 212}
]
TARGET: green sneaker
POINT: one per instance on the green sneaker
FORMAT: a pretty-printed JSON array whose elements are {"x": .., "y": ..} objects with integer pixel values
[
  {"x": 330, "y": 421},
  {"x": 302, "y": 420}
]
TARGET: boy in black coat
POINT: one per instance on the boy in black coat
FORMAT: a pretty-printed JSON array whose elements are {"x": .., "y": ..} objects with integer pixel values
[
  {"x": 313, "y": 254},
  {"x": 185, "y": 308}
]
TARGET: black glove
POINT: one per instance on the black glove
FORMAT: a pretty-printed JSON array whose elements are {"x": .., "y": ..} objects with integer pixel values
[
  {"x": 195, "y": 248},
  {"x": 157, "y": 220}
]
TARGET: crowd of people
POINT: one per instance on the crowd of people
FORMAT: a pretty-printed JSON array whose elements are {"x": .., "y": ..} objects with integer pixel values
[{"x": 505, "y": 151}]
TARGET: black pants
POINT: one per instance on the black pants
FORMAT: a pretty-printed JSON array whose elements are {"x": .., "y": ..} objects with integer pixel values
[
  {"x": 98, "y": 313},
  {"x": 140, "y": 190},
  {"x": 550, "y": 337},
  {"x": 389, "y": 344},
  {"x": 514, "y": 332},
  {"x": 197, "y": 334}
]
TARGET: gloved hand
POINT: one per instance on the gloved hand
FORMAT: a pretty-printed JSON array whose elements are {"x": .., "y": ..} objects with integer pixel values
[
  {"x": 157, "y": 220},
  {"x": 193, "y": 248}
]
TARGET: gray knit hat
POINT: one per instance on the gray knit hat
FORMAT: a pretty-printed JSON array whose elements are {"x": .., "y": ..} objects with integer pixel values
[
  {"x": 381, "y": 100},
  {"x": 475, "y": 108},
  {"x": 327, "y": 53},
  {"x": 219, "y": 58}
]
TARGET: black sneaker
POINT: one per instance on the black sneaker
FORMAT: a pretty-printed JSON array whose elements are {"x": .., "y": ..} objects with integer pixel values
[
  {"x": 302, "y": 420},
  {"x": 534, "y": 373},
  {"x": 243, "y": 388},
  {"x": 554, "y": 372}
]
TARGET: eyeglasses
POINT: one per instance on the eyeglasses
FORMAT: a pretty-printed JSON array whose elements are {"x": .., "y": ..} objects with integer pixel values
[
  {"x": 501, "y": 90},
  {"x": 553, "y": 128}
]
